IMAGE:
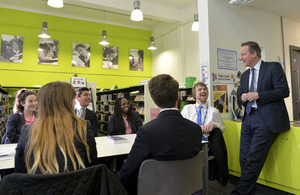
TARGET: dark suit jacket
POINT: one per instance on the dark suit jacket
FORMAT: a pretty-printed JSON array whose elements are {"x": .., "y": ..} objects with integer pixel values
[
  {"x": 134, "y": 127},
  {"x": 92, "y": 117},
  {"x": 168, "y": 137},
  {"x": 13, "y": 127},
  {"x": 21, "y": 150},
  {"x": 272, "y": 88}
]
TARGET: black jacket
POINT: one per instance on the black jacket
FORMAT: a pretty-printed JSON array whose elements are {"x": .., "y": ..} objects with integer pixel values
[
  {"x": 168, "y": 137},
  {"x": 134, "y": 126},
  {"x": 13, "y": 128}
]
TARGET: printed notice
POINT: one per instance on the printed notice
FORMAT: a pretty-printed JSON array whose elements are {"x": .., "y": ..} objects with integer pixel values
[{"x": 227, "y": 59}]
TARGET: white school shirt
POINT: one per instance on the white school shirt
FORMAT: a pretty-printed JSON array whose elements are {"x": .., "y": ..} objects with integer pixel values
[{"x": 189, "y": 112}]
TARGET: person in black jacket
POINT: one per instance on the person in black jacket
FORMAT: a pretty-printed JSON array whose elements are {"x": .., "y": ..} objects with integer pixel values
[
  {"x": 24, "y": 114},
  {"x": 83, "y": 96},
  {"x": 124, "y": 121},
  {"x": 168, "y": 137},
  {"x": 58, "y": 141}
]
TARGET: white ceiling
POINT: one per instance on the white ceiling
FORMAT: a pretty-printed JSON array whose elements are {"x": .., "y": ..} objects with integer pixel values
[{"x": 117, "y": 11}]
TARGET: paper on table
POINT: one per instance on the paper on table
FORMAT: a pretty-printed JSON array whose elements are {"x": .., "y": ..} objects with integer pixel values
[{"x": 7, "y": 153}]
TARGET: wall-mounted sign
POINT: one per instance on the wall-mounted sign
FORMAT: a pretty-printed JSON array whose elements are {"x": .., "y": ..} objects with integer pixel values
[
  {"x": 227, "y": 59},
  {"x": 78, "y": 81}
]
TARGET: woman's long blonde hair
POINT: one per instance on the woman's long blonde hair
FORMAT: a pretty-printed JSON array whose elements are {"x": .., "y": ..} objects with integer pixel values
[{"x": 56, "y": 125}]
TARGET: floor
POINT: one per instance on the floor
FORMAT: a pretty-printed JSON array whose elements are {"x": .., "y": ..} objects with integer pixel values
[{"x": 215, "y": 188}]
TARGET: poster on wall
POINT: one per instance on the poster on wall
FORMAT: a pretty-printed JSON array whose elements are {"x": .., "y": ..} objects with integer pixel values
[
  {"x": 78, "y": 81},
  {"x": 220, "y": 98},
  {"x": 48, "y": 52},
  {"x": 223, "y": 78},
  {"x": 227, "y": 59},
  {"x": 110, "y": 57},
  {"x": 136, "y": 59},
  {"x": 81, "y": 55},
  {"x": 11, "y": 48}
]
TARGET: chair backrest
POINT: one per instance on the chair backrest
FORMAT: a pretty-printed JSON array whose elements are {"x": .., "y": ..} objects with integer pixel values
[
  {"x": 90, "y": 181},
  {"x": 179, "y": 177}
]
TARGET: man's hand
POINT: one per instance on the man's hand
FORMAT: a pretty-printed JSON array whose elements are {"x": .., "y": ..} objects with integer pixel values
[
  {"x": 250, "y": 96},
  {"x": 207, "y": 128}
]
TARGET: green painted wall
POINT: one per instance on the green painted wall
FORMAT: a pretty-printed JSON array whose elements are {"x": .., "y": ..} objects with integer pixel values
[{"x": 67, "y": 31}]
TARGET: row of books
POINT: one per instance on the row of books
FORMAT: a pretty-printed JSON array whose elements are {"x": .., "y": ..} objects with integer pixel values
[
  {"x": 106, "y": 97},
  {"x": 4, "y": 109},
  {"x": 139, "y": 98},
  {"x": 111, "y": 97},
  {"x": 140, "y": 110},
  {"x": 183, "y": 93},
  {"x": 104, "y": 117},
  {"x": 4, "y": 98},
  {"x": 107, "y": 108}
]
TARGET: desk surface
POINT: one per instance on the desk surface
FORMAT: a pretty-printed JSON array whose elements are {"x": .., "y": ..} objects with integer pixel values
[{"x": 104, "y": 149}]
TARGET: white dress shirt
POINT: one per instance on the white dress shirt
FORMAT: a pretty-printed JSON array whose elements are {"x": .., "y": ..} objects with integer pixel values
[
  {"x": 256, "y": 74},
  {"x": 189, "y": 112}
]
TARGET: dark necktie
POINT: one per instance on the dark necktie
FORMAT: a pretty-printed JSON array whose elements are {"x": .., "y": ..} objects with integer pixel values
[
  {"x": 248, "y": 108},
  {"x": 199, "y": 120}
]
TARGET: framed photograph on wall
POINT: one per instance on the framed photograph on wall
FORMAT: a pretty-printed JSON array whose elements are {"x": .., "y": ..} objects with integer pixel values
[
  {"x": 136, "y": 59},
  {"x": 48, "y": 52},
  {"x": 110, "y": 57},
  {"x": 81, "y": 55},
  {"x": 11, "y": 48}
]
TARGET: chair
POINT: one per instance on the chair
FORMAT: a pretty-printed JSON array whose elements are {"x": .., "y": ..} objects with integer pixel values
[
  {"x": 179, "y": 177},
  {"x": 89, "y": 181}
]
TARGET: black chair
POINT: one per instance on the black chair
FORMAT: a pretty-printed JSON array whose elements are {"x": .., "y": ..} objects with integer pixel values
[{"x": 89, "y": 181}]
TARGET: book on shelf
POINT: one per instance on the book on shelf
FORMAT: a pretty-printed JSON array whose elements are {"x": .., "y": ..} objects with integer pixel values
[
  {"x": 116, "y": 139},
  {"x": 139, "y": 98},
  {"x": 140, "y": 110}
]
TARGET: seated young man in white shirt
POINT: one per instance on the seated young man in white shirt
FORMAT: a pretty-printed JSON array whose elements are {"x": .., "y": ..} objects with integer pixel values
[{"x": 212, "y": 127}]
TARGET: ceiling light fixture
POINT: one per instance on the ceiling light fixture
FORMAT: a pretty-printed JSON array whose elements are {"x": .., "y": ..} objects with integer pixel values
[
  {"x": 56, "y": 3},
  {"x": 195, "y": 26},
  {"x": 152, "y": 45},
  {"x": 44, "y": 32},
  {"x": 240, "y": 2},
  {"x": 104, "y": 41},
  {"x": 136, "y": 14}
]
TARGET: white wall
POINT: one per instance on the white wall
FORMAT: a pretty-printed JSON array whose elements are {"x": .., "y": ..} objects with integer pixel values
[
  {"x": 228, "y": 26},
  {"x": 178, "y": 50}
]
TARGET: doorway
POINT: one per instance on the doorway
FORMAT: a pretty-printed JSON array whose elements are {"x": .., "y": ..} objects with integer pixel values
[{"x": 295, "y": 75}]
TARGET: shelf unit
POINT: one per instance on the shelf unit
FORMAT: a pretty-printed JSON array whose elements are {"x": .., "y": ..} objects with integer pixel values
[
  {"x": 138, "y": 96},
  {"x": 4, "y": 111},
  {"x": 186, "y": 96}
]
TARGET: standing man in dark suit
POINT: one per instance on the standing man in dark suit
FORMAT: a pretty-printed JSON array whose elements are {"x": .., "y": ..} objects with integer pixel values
[
  {"x": 84, "y": 99},
  {"x": 168, "y": 137},
  {"x": 263, "y": 89}
]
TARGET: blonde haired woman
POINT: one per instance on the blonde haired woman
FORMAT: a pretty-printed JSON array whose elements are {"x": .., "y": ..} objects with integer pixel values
[{"x": 58, "y": 141}]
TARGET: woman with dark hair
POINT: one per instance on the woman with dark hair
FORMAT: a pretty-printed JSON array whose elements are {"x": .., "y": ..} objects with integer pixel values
[
  {"x": 58, "y": 141},
  {"x": 24, "y": 114},
  {"x": 124, "y": 121}
]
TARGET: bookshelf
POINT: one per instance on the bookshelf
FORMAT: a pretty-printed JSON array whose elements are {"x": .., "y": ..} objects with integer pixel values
[
  {"x": 186, "y": 96},
  {"x": 4, "y": 111},
  {"x": 138, "y": 96}
]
